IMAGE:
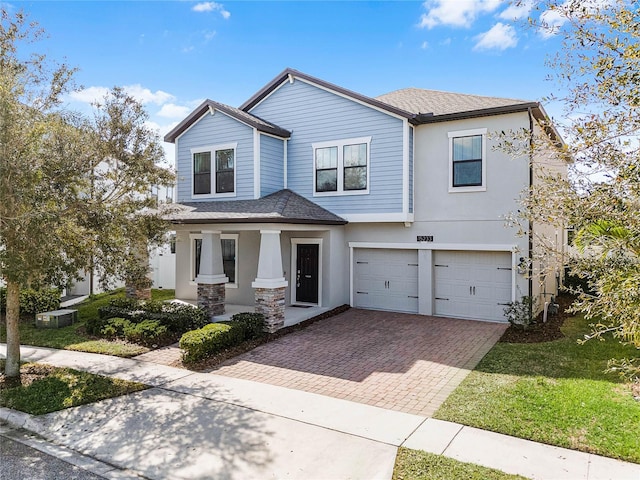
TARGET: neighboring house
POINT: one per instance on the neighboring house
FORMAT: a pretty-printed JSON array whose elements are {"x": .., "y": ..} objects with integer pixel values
[{"x": 309, "y": 194}]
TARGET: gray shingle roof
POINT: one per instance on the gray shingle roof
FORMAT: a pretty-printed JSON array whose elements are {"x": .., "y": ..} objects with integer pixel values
[
  {"x": 417, "y": 101},
  {"x": 240, "y": 115},
  {"x": 284, "y": 206}
]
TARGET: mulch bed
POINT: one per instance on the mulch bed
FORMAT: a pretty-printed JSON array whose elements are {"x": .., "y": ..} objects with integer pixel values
[
  {"x": 29, "y": 373},
  {"x": 539, "y": 331}
]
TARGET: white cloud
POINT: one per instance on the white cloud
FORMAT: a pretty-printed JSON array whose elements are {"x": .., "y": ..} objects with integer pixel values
[
  {"x": 209, "y": 35},
  {"x": 446, "y": 42},
  {"x": 499, "y": 37},
  {"x": 171, "y": 110},
  {"x": 551, "y": 21},
  {"x": 144, "y": 95},
  {"x": 89, "y": 95},
  {"x": 424, "y": 45},
  {"x": 517, "y": 11},
  {"x": 458, "y": 13},
  {"x": 141, "y": 94},
  {"x": 212, "y": 7}
]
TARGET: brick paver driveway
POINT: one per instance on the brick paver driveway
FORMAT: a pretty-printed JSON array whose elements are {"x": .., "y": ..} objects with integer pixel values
[{"x": 409, "y": 363}]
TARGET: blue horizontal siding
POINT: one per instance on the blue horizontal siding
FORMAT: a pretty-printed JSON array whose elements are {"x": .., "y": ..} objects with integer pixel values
[
  {"x": 271, "y": 165},
  {"x": 213, "y": 130},
  {"x": 316, "y": 115}
]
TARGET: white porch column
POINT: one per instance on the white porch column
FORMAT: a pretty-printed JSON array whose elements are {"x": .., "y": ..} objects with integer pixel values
[
  {"x": 211, "y": 278},
  {"x": 270, "y": 283}
]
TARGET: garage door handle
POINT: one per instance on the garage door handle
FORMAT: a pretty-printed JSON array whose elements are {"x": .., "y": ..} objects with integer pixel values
[
  {"x": 438, "y": 298},
  {"x": 504, "y": 268},
  {"x": 363, "y": 293},
  {"x": 441, "y": 265},
  {"x": 505, "y": 304},
  {"x": 362, "y": 263},
  {"x": 412, "y": 296}
]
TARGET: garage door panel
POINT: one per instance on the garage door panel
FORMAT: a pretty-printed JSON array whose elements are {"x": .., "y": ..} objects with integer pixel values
[
  {"x": 476, "y": 284},
  {"x": 386, "y": 279}
]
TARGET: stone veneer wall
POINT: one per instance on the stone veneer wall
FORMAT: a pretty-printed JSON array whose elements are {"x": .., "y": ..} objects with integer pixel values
[
  {"x": 270, "y": 302},
  {"x": 138, "y": 293},
  {"x": 211, "y": 297}
]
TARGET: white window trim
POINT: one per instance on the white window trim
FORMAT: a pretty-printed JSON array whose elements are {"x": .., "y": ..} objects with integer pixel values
[
  {"x": 213, "y": 149},
  {"x": 192, "y": 257},
  {"x": 468, "y": 133},
  {"x": 294, "y": 263},
  {"x": 340, "y": 167}
]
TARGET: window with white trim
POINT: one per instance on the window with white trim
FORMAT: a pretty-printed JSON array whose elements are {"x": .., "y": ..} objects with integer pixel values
[
  {"x": 214, "y": 170},
  {"x": 229, "y": 243},
  {"x": 341, "y": 167},
  {"x": 467, "y": 160}
]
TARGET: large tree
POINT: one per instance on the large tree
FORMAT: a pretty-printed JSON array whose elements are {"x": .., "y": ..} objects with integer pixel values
[
  {"x": 74, "y": 191},
  {"x": 598, "y": 69}
]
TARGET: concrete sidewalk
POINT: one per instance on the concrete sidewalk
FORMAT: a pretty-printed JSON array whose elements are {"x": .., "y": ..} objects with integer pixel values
[{"x": 195, "y": 425}]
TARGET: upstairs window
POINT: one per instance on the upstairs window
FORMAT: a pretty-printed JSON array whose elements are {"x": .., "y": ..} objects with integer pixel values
[
  {"x": 341, "y": 167},
  {"x": 214, "y": 171},
  {"x": 467, "y": 163}
]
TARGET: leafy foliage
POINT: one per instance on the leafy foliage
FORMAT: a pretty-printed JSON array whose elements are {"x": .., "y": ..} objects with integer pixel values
[
  {"x": 254, "y": 324},
  {"x": 598, "y": 69},
  {"x": 521, "y": 313},
  {"x": 74, "y": 193},
  {"x": 211, "y": 339},
  {"x": 34, "y": 301}
]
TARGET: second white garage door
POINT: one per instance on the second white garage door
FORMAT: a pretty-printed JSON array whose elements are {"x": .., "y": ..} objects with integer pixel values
[
  {"x": 474, "y": 285},
  {"x": 386, "y": 279}
]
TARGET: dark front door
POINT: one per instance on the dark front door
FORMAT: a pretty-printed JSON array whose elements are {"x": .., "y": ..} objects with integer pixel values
[{"x": 307, "y": 273}]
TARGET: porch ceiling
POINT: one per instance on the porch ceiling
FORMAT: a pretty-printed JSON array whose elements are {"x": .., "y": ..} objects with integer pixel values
[{"x": 284, "y": 206}]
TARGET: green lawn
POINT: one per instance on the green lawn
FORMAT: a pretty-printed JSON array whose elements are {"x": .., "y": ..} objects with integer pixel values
[
  {"x": 555, "y": 393},
  {"x": 418, "y": 465},
  {"x": 48, "y": 389},
  {"x": 73, "y": 336}
]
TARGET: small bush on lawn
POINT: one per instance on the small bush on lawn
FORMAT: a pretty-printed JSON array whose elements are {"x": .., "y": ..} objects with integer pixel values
[
  {"x": 253, "y": 324},
  {"x": 115, "y": 327},
  {"x": 148, "y": 333},
  {"x": 211, "y": 339},
  {"x": 33, "y": 301}
]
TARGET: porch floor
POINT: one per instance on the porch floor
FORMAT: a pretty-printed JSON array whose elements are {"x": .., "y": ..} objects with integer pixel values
[{"x": 292, "y": 314}]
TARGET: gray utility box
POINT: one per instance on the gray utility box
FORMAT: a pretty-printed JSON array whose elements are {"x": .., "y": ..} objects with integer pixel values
[{"x": 56, "y": 318}]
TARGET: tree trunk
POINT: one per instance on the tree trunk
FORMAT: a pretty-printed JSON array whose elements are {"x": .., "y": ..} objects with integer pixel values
[{"x": 12, "y": 366}]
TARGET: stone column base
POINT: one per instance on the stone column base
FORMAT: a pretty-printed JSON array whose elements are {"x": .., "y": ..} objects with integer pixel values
[
  {"x": 270, "y": 303},
  {"x": 138, "y": 293},
  {"x": 211, "y": 297}
]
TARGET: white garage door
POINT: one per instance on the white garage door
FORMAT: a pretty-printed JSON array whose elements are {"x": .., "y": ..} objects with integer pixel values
[
  {"x": 386, "y": 279},
  {"x": 474, "y": 285}
]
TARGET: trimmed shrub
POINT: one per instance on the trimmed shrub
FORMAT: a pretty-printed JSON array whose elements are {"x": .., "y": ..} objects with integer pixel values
[
  {"x": 253, "y": 324},
  {"x": 211, "y": 339},
  {"x": 33, "y": 301},
  {"x": 177, "y": 318},
  {"x": 148, "y": 333},
  {"x": 115, "y": 327}
]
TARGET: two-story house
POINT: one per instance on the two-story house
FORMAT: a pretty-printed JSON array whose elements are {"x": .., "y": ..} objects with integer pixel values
[{"x": 311, "y": 195}]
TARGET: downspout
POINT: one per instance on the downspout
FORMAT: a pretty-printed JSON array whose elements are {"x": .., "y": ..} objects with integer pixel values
[{"x": 530, "y": 232}]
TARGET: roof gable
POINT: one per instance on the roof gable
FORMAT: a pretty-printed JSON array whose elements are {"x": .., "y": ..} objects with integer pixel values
[
  {"x": 290, "y": 74},
  {"x": 240, "y": 115}
]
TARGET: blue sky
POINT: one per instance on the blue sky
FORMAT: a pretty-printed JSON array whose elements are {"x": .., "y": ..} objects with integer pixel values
[{"x": 173, "y": 54}]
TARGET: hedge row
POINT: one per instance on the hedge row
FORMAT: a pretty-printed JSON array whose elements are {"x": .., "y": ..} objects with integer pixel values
[
  {"x": 147, "y": 323},
  {"x": 215, "y": 337},
  {"x": 149, "y": 333},
  {"x": 33, "y": 301}
]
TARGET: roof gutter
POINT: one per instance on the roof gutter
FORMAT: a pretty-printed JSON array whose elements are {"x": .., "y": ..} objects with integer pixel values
[{"x": 423, "y": 118}]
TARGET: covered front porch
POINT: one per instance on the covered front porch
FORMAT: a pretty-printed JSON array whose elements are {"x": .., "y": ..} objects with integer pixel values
[{"x": 281, "y": 255}]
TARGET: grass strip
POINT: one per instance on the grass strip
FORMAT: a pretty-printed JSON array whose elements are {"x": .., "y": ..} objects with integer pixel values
[
  {"x": 46, "y": 389},
  {"x": 419, "y": 465}
]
